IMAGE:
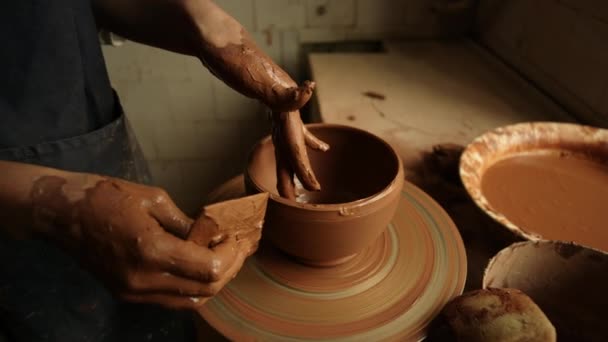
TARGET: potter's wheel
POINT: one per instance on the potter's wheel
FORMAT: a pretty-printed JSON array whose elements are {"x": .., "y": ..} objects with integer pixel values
[{"x": 391, "y": 290}]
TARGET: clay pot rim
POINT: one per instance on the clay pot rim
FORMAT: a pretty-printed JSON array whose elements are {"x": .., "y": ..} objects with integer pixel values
[
  {"x": 485, "y": 279},
  {"x": 334, "y": 206},
  {"x": 470, "y": 157}
]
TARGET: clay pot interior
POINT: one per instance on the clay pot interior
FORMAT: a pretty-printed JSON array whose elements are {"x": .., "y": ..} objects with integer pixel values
[
  {"x": 567, "y": 281},
  {"x": 358, "y": 165},
  {"x": 547, "y": 206},
  {"x": 361, "y": 178}
]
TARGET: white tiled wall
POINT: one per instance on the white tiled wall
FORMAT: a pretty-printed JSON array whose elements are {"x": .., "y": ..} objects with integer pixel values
[
  {"x": 195, "y": 131},
  {"x": 323, "y": 13}
]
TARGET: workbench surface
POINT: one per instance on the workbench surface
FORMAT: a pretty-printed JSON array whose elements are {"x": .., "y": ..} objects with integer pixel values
[{"x": 434, "y": 92}]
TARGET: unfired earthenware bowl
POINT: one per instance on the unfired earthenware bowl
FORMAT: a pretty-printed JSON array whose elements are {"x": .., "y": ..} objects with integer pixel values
[
  {"x": 361, "y": 178},
  {"x": 522, "y": 139},
  {"x": 567, "y": 281}
]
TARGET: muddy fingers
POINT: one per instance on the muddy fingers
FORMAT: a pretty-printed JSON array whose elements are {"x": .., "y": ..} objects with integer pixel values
[
  {"x": 296, "y": 146},
  {"x": 314, "y": 142},
  {"x": 292, "y": 99},
  {"x": 285, "y": 182}
]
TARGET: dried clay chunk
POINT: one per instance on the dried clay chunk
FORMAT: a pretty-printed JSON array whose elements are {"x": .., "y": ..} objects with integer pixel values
[
  {"x": 506, "y": 315},
  {"x": 241, "y": 218}
]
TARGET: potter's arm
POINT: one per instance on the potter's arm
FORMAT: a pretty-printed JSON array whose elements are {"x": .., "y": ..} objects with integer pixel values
[
  {"x": 31, "y": 207},
  {"x": 120, "y": 231},
  {"x": 16, "y": 205},
  {"x": 202, "y": 29}
]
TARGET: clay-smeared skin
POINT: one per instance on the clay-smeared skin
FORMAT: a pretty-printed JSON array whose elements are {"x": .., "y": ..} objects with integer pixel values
[
  {"x": 240, "y": 218},
  {"x": 290, "y": 139},
  {"x": 202, "y": 29},
  {"x": 248, "y": 70},
  {"x": 122, "y": 232},
  {"x": 230, "y": 53},
  {"x": 232, "y": 56}
]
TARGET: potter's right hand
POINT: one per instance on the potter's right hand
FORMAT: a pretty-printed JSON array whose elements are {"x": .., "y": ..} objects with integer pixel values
[{"x": 127, "y": 235}]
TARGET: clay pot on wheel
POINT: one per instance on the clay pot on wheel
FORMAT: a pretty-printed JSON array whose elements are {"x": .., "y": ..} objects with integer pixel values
[{"x": 361, "y": 178}]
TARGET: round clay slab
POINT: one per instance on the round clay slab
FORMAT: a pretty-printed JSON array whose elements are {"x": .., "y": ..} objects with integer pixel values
[{"x": 390, "y": 291}]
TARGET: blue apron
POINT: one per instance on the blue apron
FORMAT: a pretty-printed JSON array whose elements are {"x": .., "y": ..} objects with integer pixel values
[{"x": 57, "y": 109}]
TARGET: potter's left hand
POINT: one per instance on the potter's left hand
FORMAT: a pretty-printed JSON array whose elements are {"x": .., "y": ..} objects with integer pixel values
[
  {"x": 235, "y": 58},
  {"x": 202, "y": 29},
  {"x": 290, "y": 138}
]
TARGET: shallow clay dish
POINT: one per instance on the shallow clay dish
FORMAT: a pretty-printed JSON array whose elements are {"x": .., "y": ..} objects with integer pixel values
[
  {"x": 543, "y": 181},
  {"x": 567, "y": 281},
  {"x": 361, "y": 178},
  {"x": 389, "y": 291}
]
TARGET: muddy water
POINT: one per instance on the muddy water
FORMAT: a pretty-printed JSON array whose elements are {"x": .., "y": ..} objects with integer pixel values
[{"x": 557, "y": 196}]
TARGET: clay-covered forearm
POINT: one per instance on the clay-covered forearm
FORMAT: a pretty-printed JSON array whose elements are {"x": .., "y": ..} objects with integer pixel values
[
  {"x": 248, "y": 70},
  {"x": 22, "y": 192},
  {"x": 231, "y": 54},
  {"x": 126, "y": 234},
  {"x": 202, "y": 29}
]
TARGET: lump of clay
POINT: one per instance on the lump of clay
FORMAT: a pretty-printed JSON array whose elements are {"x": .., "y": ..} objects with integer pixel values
[
  {"x": 241, "y": 218},
  {"x": 492, "y": 314}
]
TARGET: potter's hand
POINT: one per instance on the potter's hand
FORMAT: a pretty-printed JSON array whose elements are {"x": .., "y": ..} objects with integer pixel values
[
  {"x": 202, "y": 29},
  {"x": 124, "y": 233},
  {"x": 290, "y": 139},
  {"x": 233, "y": 57}
]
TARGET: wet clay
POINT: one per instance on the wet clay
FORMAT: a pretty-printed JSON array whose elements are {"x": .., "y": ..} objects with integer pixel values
[
  {"x": 121, "y": 232},
  {"x": 362, "y": 177},
  {"x": 54, "y": 200},
  {"x": 493, "y": 314},
  {"x": 554, "y": 195},
  {"x": 291, "y": 139},
  {"x": 247, "y": 69},
  {"x": 240, "y": 218},
  {"x": 216, "y": 27},
  {"x": 357, "y": 166},
  {"x": 389, "y": 291},
  {"x": 230, "y": 53}
]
